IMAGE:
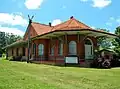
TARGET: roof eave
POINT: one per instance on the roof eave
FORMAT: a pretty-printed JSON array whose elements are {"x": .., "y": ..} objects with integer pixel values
[
  {"x": 92, "y": 30},
  {"x": 15, "y": 44}
]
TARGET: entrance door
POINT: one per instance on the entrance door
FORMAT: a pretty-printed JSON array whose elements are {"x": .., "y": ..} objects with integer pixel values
[{"x": 88, "y": 49}]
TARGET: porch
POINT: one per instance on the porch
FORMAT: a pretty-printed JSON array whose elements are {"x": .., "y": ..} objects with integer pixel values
[
  {"x": 61, "y": 46},
  {"x": 53, "y": 48}
]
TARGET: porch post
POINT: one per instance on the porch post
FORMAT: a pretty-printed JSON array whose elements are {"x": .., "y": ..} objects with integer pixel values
[
  {"x": 56, "y": 50},
  {"x": 50, "y": 45},
  {"x": 78, "y": 46},
  {"x": 65, "y": 45},
  {"x": 82, "y": 47}
]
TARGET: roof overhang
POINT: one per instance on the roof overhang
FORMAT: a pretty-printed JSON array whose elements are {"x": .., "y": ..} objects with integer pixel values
[
  {"x": 88, "y": 32},
  {"x": 16, "y": 44}
]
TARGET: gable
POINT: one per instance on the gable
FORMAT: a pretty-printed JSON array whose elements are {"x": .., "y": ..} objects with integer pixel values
[
  {"x": 41, "y": 28},
  {"x": 33, "y": 33}
]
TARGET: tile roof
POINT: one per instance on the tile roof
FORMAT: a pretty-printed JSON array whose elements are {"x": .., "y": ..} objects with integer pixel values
[
  {"x": 41, "y": 28},
  {"x": 71, "y": 24}
]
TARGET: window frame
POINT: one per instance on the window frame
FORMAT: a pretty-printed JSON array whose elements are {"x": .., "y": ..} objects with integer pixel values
[
  {"x": 72, "y": 46},
  {"x": 34, "y": 48},
  {"x": 52, "y": 49},
  {"x": 60, "y": 48},
  {"x": 40, "y": 49}
]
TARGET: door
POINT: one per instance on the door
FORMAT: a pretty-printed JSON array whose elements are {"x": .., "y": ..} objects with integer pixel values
[
  {"x": 88, "y": 49},
  {"x": 88, "y": 52}
]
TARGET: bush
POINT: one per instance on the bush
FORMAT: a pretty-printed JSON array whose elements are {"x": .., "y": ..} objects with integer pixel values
[{"x": 3, "y": 55}]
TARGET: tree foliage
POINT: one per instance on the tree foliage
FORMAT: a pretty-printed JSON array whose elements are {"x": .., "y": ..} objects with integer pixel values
[
  {"x": 2, "y": 41},
  {"x": 116, "y": 41},
  {"x": 11, "y": 38},
  {"x": 103, "y": 42},
  {"x": 7, "y": 39}
]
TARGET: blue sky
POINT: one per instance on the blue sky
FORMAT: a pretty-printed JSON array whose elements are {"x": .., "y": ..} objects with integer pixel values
[{"x": 95, "y": 13}]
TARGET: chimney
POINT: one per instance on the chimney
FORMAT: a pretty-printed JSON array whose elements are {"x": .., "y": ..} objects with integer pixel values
[
  {"x": 71, "y": 17},
  {"x": 50, "y": 24}
]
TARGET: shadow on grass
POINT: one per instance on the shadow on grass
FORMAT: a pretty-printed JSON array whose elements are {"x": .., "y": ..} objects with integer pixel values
[{"x": 66, "y": 65}]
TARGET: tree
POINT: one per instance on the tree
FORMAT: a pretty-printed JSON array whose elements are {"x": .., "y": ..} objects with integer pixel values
[
  {"x": 104, "y": 42},
  {"x": 117, "y": 31},
  {"x": 2, "y": 41},
  {"x": 11, "y": 38},
  {"x": 7, "y": 39},
  {"x": 116, "y": 41}
]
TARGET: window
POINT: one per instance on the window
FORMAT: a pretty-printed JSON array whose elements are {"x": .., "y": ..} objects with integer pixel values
[
  {"x": 52, "y": 47},
  {"x": 72, "y": 48},
  {"x": 34, "y": 48},
  {"x": 23, "y": 49},
  {"x": 60, "y": 48},
  {"x": 40, "y": 49},
  {"x": 52, "y": 50}
]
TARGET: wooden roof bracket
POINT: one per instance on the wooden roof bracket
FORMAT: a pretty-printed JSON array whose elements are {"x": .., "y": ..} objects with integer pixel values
[
  {"x": 78, "y": 37},
  {"x": 66, "y": 39}
]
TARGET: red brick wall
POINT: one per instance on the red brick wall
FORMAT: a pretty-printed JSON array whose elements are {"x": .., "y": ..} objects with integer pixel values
[
  {"x": 20, "y": 51},
  {"x": 56, "y": 56},
  {"x": 45, "y": 42}
]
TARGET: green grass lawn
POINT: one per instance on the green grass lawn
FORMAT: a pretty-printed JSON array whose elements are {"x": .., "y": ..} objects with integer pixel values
[{"x": 17, "y": 75}]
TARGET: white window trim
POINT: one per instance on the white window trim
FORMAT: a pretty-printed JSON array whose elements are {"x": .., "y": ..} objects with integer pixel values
[
  {"x": 75, "y": 45},
  {"x": 41, "y": 51},
  {"x": 60, "y": 49},
  {"x": 92, "y": 47},
  {"x": 52, "y": 50}
]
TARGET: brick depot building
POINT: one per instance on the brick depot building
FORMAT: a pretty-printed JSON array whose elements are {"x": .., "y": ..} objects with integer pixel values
[{"x": 69, "y": 42}]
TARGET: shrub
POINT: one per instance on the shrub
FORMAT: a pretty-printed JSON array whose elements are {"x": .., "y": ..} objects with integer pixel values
[{"x": 3, "y": 56}]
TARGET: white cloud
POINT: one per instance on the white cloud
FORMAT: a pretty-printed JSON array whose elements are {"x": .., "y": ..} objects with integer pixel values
[
  {"x": 33, "y": 4},
  {"x": 12, "y": 19},
  {"x": 101, "y": 3},
  {"x": 15, "y": 31},
  {"x": 56, "y": 21},
  {"x": 113, "y": 21},
  {"x": 98, "y": 3}
]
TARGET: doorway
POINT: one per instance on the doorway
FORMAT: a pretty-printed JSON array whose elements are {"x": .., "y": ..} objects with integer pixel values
[{"x": 88, "y": 49}]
